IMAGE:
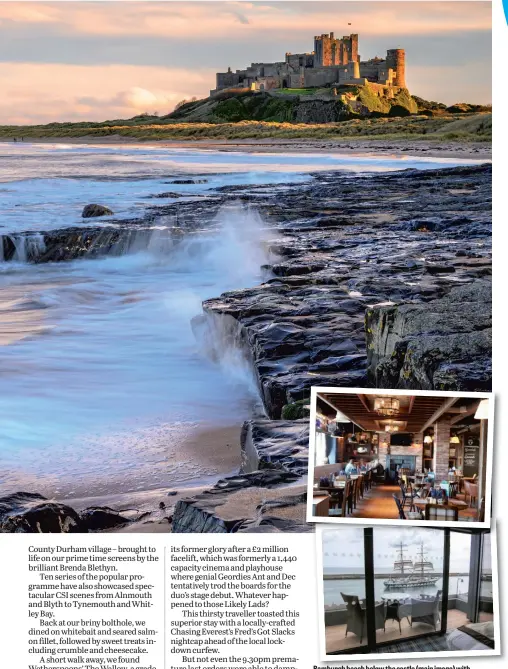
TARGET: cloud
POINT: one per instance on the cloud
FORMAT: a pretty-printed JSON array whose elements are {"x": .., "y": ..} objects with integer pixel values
[
  {"x": 36, "y": 93},
  {"x": 222, "y": 19},
  {"x": 88, "y": 60}
]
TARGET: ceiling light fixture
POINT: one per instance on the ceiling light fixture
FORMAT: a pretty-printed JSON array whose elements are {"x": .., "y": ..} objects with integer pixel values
[
  {"x": 387, "y": 406},
  {"x": 391, "y": 428}
]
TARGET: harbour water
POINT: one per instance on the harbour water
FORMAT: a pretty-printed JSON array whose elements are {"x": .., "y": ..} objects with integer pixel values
[
  {"x": 333, "y": 588},
  {"x": 102, "y": 379}
]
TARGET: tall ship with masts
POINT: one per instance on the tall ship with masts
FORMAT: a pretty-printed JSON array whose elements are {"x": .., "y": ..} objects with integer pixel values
[
  {"x": 402, "y": 569},
  {"x": 407, "y": 574}
]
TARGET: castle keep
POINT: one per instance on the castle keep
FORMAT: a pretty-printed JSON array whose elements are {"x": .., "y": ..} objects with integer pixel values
[{"x": 334, "y": 61}]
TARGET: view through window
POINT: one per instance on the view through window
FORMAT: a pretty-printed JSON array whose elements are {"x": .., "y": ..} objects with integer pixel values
[{"x": 412, "y": 596}]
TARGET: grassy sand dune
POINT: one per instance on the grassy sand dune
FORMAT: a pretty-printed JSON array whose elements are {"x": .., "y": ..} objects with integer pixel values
[{"x": 453, "y": 127}]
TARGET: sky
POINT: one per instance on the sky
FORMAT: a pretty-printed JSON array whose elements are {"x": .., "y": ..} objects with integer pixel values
[
  {"x": 74, "y": 61},
  {"x": 343, "y": 547}
]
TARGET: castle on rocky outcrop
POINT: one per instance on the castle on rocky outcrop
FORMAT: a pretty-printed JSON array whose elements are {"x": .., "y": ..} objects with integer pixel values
[{"x": 334, "y": 61}]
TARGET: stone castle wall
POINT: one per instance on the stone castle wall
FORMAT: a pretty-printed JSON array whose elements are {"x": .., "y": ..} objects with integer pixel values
[{"x": 334, "y": 61}]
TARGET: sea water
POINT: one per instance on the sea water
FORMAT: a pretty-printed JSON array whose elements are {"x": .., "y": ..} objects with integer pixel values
[
  {"x": 458, "y": 586},
  {"x": 101, "y": 377}
]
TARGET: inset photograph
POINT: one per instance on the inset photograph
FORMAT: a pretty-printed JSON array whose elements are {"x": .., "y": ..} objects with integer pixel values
[
  {"x": 410, "y": 456},
  {"x": 408, "y": 590}
]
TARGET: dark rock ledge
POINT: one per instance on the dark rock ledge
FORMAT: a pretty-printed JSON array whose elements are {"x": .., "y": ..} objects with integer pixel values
[
  {"x": 397, "y": 247},
  {"x": 444, "y": 344},
  {"x": 25, "y": 512},
  {"x": 254, "y": 502}
]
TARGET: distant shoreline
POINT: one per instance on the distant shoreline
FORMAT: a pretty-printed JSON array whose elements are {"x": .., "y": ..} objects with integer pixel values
[
  {"x": 481, "y": 151},
  {"x": 353, "y": 577}
]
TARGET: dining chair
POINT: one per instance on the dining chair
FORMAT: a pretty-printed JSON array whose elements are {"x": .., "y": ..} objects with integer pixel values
[
  {"x": 426, "y": 610},
  {"x": 408, "y": 496},
  {"x": 471, "y": 491},
  {"x": 357, "y": 616},
  {"x": 403, "y": 515},
  {"x": 339, "y": 501}
]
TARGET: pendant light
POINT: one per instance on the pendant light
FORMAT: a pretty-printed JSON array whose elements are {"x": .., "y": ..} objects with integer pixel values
[
  {"x": 482, "y": 413},
  {"x": 352, "y": 437},
  {"x": 341, "y": 418}
]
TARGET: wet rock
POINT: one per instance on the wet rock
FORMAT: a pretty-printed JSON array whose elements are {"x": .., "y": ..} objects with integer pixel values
[
  {"x": 270, "y": 444},
  {"x": 440, "y": 269},
  {"x": 166, "y": 195},
  {"x": 95, "y": 518},
  {"x": 30, "y": 512},
  {"x": 445, "y": 344},
  {"x": 185, "y": 182},
  {"x": 243, "y": 502},
  {"x": 95, "y": 210},
  {"x": 305, "y": 325},
  {"x": 343, "y": 245}
]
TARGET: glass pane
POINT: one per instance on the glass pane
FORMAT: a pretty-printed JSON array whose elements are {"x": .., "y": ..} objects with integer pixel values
[
  {"x": 470, "y": 622},
  {"x": 408, "y": 571},
  {"x": 459, "y": 603},
  {"x": 486, "y": 601},
  {"x": 344, "y": 588}
]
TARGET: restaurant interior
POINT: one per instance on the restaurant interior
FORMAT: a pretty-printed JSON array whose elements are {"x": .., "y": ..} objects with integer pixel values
[
  {"x": 391, "y": 589},
  {"x": 405, "y": 457}
]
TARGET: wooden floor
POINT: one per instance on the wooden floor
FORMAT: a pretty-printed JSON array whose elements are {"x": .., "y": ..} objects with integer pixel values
[
  {"x": 379, "y": 503},
  {"x": 336, "y": 638}
]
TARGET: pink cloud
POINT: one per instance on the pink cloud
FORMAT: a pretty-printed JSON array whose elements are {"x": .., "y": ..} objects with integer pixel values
[
  {"x": 74, "y": 92},
  {"x": 221, "y": 19}
]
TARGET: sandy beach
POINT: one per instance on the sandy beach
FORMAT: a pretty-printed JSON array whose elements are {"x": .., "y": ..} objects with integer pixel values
[{"x": 359, "y": 147}]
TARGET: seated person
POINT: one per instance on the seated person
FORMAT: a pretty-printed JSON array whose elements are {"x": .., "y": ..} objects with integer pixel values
[{"x": 350, "y": 468}]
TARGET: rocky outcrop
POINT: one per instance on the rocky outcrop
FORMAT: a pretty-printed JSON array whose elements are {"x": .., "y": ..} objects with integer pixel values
[
  {"x": 29, "y": 512},
  {"x": 95, "y": 210},
  {"x": 445, "y": 344},
  {"x": 318, "y": 106},
  {"x": 96, "y": 518},
  {"x": 269, "y": 444},
  {"x": 258, "y": 501},
  {"x": 410, "y": 249},
  {"x": 350, "y": 244}
]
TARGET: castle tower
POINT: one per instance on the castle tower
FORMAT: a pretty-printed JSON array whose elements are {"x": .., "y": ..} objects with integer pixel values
[
  {"x": 351, "y": 43},
  {"x": 331, "y": 51},
  {"x": 396, "y": 60}
]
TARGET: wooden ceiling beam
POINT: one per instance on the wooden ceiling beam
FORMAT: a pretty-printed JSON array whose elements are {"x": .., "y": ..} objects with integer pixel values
[
  {"x": 363, "y": 400},
  {"x": 465, "y": 412},
  {"x": 450, "y": 401},
  {"x": 346, "y": 412}
]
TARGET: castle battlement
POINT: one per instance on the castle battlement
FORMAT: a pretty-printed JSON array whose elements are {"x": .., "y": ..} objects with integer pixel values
[{"x": 333, "y": 61}]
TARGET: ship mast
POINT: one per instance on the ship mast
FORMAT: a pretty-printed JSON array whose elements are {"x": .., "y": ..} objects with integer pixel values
[
  {"x": 401, "y": 558},
  {"x": 421, "y": 560}
]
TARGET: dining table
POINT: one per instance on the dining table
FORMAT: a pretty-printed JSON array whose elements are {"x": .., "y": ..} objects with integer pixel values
[{"x": 457, "y": 503}]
